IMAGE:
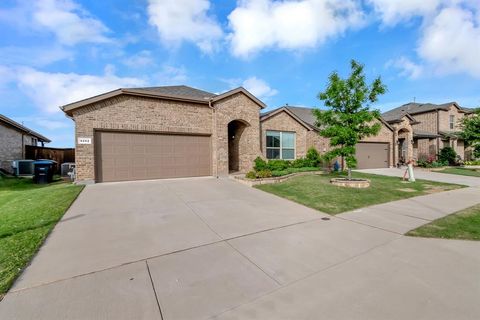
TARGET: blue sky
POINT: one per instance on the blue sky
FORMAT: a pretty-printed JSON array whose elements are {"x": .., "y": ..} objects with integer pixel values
[{"x": 53, "y": 52}]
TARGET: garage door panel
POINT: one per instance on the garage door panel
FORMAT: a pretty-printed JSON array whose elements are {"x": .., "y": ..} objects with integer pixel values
[
  {"x": 372, "y": 155},
  {"x": 133, "y": 156}
]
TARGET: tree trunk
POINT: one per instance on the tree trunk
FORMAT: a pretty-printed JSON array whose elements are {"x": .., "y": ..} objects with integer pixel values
[{"x": 349, "y": 174}]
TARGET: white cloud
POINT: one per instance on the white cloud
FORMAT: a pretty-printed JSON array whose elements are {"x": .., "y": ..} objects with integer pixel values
[
  {"x": 141, "y": 59},
  {"x": 393, "y": 11},
  {"x": 185, "y": 20},
  {"x": 34, "y": 56},
  {"x": 259, "y": 88},
  {"x": 407, "y": 67},
  {"x": 50, "y": 90},
  {"x": 169, "y": 75},
  {"x": 451, "y": 42},
  {"x": 449, "y": 35},
  {"x": 70, "y": 23},
  {"x": 260, "y": 24}
]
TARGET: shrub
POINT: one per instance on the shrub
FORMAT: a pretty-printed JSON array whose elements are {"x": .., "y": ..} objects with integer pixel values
[
  {"x": 300, "y": 163},
  {"x": 278, "y": 164},
  {"x": 264, "y": 173},
  {"x": 447, "y": 155},
  {"x": 251, "y": 175},
  {"x": 313, "y": 157},
  {"x": 472, "y": 163},
  {"x": 423, "y": 163},
  {"x": 260, "y": 164}
]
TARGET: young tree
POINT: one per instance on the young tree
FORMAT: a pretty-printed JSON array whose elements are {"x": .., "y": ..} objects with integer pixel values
[
  {"x": 471, "y": 131},
  {"x": 349, "y": 118}
]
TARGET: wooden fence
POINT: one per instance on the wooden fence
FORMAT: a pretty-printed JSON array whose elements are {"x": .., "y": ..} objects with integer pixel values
[{"x": 60, "y": 155}]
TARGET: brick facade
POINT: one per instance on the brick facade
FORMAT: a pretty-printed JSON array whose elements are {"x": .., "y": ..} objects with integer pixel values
[
  {"x": 306, "y": 138},
  {"x": 236, "y": 107},
  {"x": 129, "y": 113},
  {"x": 143, "y": 114},
  {"x": 12, "y": 147},
  {"x": 284, "y": 122}
]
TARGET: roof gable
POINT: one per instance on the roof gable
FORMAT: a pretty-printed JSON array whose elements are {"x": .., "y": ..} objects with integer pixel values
[
  {"x": 238, "y": 90},
  {"x": 285, "y": 109}
]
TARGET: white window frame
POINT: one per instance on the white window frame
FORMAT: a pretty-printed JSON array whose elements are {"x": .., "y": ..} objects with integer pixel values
[
  {"x": 451, "y": 121},
  {"x": 280, "y": 149}
]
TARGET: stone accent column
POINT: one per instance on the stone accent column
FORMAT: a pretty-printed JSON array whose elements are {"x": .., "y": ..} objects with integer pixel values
[{"x": 395, "y": 147}]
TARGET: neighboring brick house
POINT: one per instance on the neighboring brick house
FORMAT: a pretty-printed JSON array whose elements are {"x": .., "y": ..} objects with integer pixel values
[
  {"x": 297, "y": 124},
  {"x": 421, "y": 130},
  {"x": 13, "y": 139}
]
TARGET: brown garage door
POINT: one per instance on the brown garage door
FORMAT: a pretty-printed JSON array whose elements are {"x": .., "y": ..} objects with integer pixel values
[
  {"x": 372, "y": 155},
  {"x": 122, "y": 156}
]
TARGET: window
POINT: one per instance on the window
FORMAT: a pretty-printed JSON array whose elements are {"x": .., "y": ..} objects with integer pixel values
[
  {"x": 452, "y": 122},
  {"x": 280, "y": 145},
  {"x": 34, "y": 141}
]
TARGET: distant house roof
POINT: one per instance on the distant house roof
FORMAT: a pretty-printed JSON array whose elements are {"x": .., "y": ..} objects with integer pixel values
[
  {"x": 303, "y": 114},
  {"x": 23, "y": 129},
  {"x": 176, "y": 93},
  {"x": 413, "y": 108}
]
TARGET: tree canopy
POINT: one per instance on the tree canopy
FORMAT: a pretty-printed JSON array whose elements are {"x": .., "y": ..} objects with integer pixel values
[
  {"x": 471, "y": 131},
  {"x": 349, "y": 117}
]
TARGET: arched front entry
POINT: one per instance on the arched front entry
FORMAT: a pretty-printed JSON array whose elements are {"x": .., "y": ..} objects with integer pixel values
[
  {"x": 235, "y": 131},
  {"x": 404, "y": 146}
]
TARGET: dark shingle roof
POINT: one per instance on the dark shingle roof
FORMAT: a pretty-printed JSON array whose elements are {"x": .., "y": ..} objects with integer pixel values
[
  {"x": 304, "y": 114},
  {"x": 179, "y": 91},
  {"x": 22, "y": 128},
  {"x": 413, "y": 108},
  {"x": 424, "y": 134}
]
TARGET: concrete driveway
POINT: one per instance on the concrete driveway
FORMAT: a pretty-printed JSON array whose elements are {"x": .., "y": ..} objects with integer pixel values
[{"x": 212, "y": 248}]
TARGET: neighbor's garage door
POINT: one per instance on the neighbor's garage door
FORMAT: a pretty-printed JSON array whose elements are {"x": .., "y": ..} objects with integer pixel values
[
  {"x": 122, "y": 156},
  {"x": 372, "y": 155}
]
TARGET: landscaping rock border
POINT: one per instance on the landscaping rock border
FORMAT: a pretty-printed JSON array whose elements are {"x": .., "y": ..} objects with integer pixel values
[
  {"x": 254, "y": 182},
  {"x": 354, "y": 183}
]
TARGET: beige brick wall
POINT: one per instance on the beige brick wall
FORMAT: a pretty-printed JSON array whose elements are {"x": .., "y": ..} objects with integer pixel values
[
  {"x": 236, "y": 107},
  {"x": 284, "y": 122},
  {"x": 314, "y": 139},
  {"x": 11, "y": 146},
  {"x": 444, "y": 119},
  {"x": 428, "y": 122},
  {"x": 134, "y": 114}
]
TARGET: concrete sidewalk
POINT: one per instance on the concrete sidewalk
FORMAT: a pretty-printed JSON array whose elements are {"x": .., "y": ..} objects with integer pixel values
[
  {"x": 427, "y": 175},
  {"x": 404, "y": 215}
]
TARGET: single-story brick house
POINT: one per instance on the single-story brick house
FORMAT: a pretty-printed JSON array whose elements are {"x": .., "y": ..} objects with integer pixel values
[
  {"x": 13, "y": 139},
  {"x": 179, "y": 131}
]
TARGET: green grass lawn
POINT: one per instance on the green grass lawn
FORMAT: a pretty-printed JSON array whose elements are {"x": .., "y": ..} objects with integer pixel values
[
  {"x": 27, "y": 214},
  {"x": 461, "y": 171},
  {"x": 464, "y": 225},
  {"x": 315, "y": 191}
]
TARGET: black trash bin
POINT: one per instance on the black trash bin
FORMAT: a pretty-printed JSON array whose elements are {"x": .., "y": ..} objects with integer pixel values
[{"x": 43, "y": 171}]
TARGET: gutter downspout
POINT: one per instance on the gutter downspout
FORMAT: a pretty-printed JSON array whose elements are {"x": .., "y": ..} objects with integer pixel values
[{"x": 214, "y": 140}]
